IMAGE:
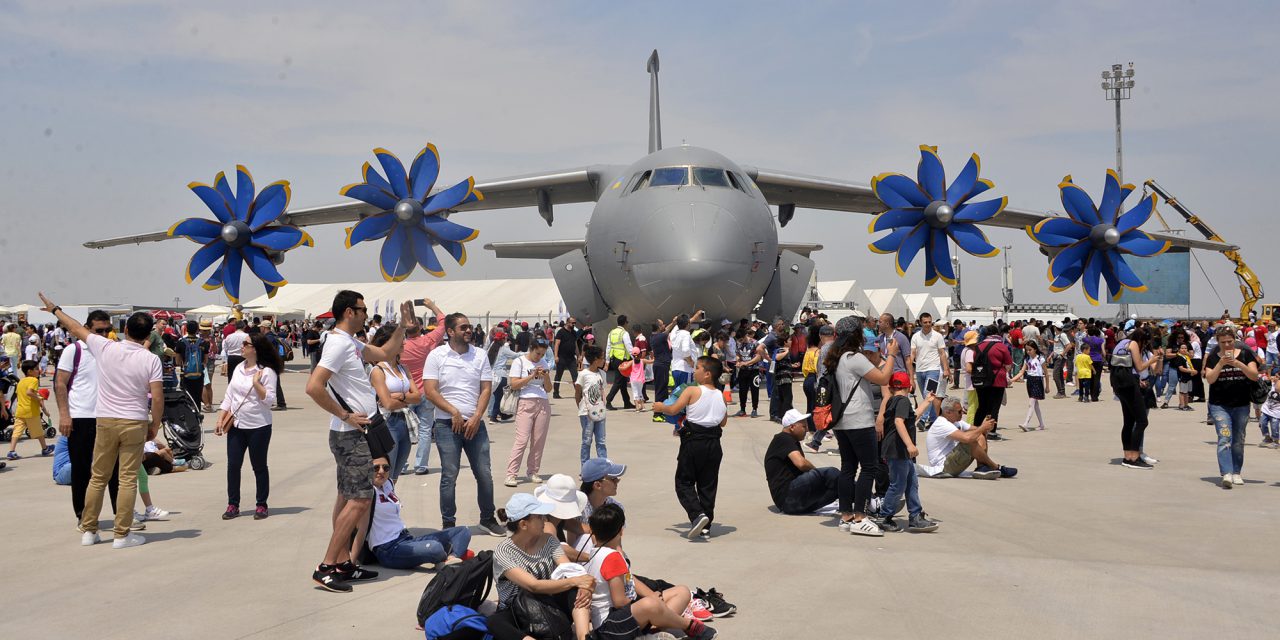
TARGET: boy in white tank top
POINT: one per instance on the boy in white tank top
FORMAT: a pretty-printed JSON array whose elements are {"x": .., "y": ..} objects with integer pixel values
[{"x": 698, "y": 463}]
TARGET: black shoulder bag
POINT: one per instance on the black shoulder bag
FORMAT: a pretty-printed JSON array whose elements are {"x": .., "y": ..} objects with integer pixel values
[{"x": 376, "y": 432}]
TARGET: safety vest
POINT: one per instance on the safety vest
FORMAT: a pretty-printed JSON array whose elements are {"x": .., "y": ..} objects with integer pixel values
[{"x": 618, "y": 348}]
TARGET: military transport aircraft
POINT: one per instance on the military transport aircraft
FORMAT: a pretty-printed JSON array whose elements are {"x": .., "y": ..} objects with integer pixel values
[{"x": 680, "y": 229}]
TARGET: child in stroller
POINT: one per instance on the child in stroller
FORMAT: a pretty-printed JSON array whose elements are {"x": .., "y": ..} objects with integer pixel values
[{"x": 182, "y": 424}]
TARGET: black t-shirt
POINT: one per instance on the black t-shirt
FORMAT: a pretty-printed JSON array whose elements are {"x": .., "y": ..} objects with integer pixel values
[
  {"x": 892, "y": 447},
  {"x": 779, "y": 471},
  {"x": 660, "y": 345},
  {"x": 568, "y": 344},
  {"x": 1233, "y": 388}
]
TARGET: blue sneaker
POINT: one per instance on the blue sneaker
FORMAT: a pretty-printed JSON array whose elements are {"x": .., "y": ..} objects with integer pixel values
[
  {"x": 1008, "y": 472},
  {"x": 13, "y": 455},
  {"x": 47, "y": 451}
]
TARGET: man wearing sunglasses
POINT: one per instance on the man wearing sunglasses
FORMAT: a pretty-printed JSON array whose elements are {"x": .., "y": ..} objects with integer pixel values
[
  {"x": 458, "y": 379},
  {"x": 75, "y": 387},
  {"x": 341, "y": 373}
]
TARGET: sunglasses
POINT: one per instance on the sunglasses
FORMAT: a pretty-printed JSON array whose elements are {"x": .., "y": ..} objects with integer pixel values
[
  {"x": 364, "y": 310},
  {"x": 102, "y": 332},
  {"x": 462, "y": 327},
  {"x": 381, "y": 467}
]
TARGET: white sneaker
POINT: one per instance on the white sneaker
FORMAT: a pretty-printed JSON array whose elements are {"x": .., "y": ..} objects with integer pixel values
[
  {"x": 139, "y": 517},
  {"x": 511, "y": 481},
  {"x": 1148, "y": 459},
  {"x": 845, "y": 525},
  {"x": 156, "y": 513},
  {"x": 131, "y": 540},
  {"x": 1226, "y": 481},
  {"x": 537, "y": 479},
  {"x": 865, "y": 528},
  {"x": 1236, "y": 479},
  {"x": 874, "y": 504},
  {"x": 89, "y": 538}
]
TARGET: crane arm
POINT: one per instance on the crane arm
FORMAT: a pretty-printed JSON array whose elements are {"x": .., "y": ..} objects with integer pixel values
[{"x": 1250, "y": 285}]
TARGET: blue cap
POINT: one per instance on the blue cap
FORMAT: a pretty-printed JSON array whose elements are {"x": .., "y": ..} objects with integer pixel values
[
  {"x": 523, "y": 505},
  {"x": 601, "y": 468}
]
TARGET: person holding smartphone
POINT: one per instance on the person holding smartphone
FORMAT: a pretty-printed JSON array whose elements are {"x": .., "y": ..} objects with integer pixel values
[
  {"x": 1231, "y": 371},
  {"x": 530, "y": 379}
]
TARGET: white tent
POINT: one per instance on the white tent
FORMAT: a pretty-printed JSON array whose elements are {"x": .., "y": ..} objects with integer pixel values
[
  {"x": 276, "y": 311},
  {"x": 919, "y": 303},
  {"x": 836, "y": 290},
  {"x": 208, "y": 311},
  {"x": 484, "y": 301},
  {"x": 888, "y": 301},
  {"x": 943, "y": 303}
]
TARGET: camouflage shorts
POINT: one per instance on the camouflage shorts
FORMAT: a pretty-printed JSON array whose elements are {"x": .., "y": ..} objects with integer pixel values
[{"x": 355, "y": 468}]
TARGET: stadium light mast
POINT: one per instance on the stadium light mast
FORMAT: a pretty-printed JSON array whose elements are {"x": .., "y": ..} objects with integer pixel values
[{"x": 1118, "y": 84}]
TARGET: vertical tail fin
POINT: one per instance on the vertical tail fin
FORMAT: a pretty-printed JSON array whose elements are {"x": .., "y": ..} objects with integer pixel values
[{"x": 655, "y": 118}]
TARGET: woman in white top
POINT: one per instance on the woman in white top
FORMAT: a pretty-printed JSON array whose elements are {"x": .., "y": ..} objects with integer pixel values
[
  {"x": 392, "y": 543},
  {"x": 1033, "y": 371},
  {"x": 396, "y": 395},
  {"x": 530, "y": 379},
  {"x": 245, "y": 418},
  {"x": 698, "y": 462}
]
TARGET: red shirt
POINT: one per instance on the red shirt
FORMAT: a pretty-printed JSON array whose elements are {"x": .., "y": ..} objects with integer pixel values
[
  {"x": 414, "y": 356},
  {"x": 1015, "y": 337},
  {"x": 999, "y": 357},
  {"x": 1260, "y": 336}
]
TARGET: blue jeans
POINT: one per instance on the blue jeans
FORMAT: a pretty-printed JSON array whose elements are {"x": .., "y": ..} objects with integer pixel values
[
  {"x": 409, "y": 552},
  {"x": 426, "y": 413},
  {"x": 1270, "y": 426},
  {"x": 921, "y": 377},
  {"x": 811, "y": 491},
  {"x": 495, "y": 400},
  {"x": 1170, "y": 384},
  {"x": 1230, "y": 423},
  {"x": 398, "y": 425},
  {"x": 902, "y": 479},
  {"x": 589, "y": 429},
  {"x": 451, "y": 446}
]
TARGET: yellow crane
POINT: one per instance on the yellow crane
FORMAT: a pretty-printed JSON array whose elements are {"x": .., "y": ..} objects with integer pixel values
[{"x": 1250, "y": 285}]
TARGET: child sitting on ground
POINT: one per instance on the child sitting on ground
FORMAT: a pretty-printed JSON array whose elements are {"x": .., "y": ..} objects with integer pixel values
[
  {"x": 623, "y": 608},
  {"x": 30, "y": 406}
]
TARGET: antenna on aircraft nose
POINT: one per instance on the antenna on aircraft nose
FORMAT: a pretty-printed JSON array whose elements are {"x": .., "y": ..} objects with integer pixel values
[{"x": 655, "y": 119}]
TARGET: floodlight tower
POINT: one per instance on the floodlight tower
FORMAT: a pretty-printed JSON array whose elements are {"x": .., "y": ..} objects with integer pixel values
[{"x": 1118, "y": 83}]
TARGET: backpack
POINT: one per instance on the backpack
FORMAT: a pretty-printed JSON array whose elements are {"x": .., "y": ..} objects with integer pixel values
[
  {"x": 826, "y": 412},
  {"x": 456, "y": 622},
  {"x": 193, "y": 357},
  {"x": 984, "y": 375},
  {"x": 1122, "y": 375},
  {"x": 466, "y": 583}
]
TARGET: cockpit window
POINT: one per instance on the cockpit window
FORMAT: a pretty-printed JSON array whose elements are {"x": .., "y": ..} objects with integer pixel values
[
  {"x": 670, "y": 177},
  {"x": 709, "y": 177},
  {"x": 639, "y": 180}
]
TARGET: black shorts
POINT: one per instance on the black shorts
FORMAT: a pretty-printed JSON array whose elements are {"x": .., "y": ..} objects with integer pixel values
[{"x": 619, "y": 625}]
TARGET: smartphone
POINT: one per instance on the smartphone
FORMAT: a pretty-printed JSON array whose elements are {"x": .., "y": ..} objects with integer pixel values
[{"x": 930, "y": 386}]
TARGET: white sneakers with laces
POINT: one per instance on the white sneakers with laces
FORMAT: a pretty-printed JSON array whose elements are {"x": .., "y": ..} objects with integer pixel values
[
  {"x": 864, "y": 527},
  {"x": 155, "y": 513},
  {"x": 131, "y": 540},
  {"x": 1236, "y": 479},
  {"x": 89, "y": 538}
]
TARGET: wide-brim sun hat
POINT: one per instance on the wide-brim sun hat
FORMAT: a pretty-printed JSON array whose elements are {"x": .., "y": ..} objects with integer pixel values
[{"x": 561, "y": 492}]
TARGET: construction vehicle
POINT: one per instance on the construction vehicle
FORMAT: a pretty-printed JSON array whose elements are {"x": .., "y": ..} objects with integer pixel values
[{"x": 1250, "y": 285}]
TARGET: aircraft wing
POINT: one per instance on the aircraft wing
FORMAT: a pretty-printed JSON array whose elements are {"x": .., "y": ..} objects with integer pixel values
[
  {"x": 802, "y": 248},
  {"x": 534, "y": 249},
  {"x": 542, "y": 190},
  {"x": 834, "y": 194}
]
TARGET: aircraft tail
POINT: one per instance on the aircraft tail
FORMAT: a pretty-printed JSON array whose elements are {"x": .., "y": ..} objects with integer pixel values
[{"x": 655, "y": 118}]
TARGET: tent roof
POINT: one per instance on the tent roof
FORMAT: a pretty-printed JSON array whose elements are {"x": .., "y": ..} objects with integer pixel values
[
  {"x": 501, "y": 298},
  {"x": 888, "y": 301}
]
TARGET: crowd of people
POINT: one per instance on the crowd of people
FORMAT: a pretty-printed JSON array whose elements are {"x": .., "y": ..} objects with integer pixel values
[{"x": 432, "y": 381}]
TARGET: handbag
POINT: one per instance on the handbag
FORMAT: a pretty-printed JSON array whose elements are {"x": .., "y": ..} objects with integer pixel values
[
  {"x": 510, "y": 398},
  {"x": 539, "y": 618},
  {"x": 376, "y": 433}
]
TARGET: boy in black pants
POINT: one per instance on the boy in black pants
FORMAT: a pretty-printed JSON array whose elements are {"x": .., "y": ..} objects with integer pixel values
[{"x": 698, "y": 463}]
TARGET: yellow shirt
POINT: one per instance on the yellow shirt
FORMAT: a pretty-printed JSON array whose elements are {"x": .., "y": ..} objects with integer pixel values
[
  {"x": 810, "y": 363},
  {"x": 28, "y": 407},
  {"x": 1084, "y": 366},
  {"x": 12, "y": 346}
]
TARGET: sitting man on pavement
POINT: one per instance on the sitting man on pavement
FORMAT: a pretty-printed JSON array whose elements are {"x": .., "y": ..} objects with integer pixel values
[
  {"x": 797, "y": 487},
  {"x": 954, "y": 445}
]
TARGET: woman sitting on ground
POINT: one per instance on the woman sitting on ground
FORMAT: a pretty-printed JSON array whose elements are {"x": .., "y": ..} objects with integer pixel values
[
  {"x": 565, "y": 522},
  {"x": 525, "y": 562},
  {"x": 391, "y": 542}
]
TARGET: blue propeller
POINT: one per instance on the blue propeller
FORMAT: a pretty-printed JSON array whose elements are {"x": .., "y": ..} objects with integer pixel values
[
  {"x": 925, "y": 213},
  {"x": 241, "y": 233},
  {"x": 1094, "y": 240},
  {"x": 410, "y": 219}
]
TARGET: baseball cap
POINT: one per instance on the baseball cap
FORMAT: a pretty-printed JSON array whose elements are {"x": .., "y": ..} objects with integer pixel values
[
  {"x": 899, "y": 380},
  {"x": 523, "y": 505},
  {"x": 601, "y": 468},
  {"x": 791, "y": 417},
  {"x": 970, "y": 337},
  {"x": 635, "y": 351},
  {"x": 589, "y": 336},
  {"x": 826, "y": 330},
  {"x": 847, "y": 325},
  {"x": 498, "y": 335}
]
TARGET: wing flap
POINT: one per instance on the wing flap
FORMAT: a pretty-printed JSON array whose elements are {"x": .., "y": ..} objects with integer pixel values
[{"x": 535, "y": 249}]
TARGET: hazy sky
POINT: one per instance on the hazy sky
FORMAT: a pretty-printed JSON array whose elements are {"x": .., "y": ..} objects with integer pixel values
[{"x": 110, "y": 107}]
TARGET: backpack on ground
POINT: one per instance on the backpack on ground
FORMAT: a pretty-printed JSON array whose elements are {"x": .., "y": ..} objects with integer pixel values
[
  {"x": 826, "y": 412},
  {"x": 193, "y": 359},
  {"x": 466, "y": 583},
  {"x": 984, "y": 375},
  {"x": 456, "y": 622}
]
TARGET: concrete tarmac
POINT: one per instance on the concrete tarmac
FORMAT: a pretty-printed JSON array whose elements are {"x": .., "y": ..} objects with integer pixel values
[{"x": 1075, "y": 546}]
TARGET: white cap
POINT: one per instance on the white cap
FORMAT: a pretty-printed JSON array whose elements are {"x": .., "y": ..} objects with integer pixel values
[{"x": 791, "y": 417}]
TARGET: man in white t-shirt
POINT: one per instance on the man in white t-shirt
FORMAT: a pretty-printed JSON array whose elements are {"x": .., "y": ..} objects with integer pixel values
[
  {"x": 954, "y": 445},
  {"x": 75, "y": 388},
  {"x": 683, "y": 354},
  {"x": 233, "y": 348},
  {"x": 341, "y": 374},
  {"x": 458, "y": 380},
  {"x": 929, "y": 358},
  {"x": 129, "y": 408}
]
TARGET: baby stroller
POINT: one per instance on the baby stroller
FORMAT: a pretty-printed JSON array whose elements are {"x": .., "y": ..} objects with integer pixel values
[{"x": 182, "y": 425}]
